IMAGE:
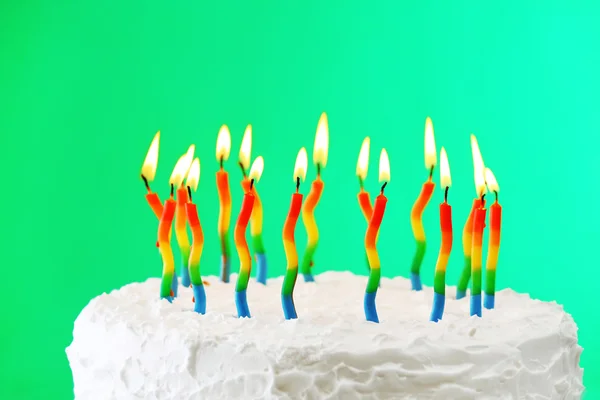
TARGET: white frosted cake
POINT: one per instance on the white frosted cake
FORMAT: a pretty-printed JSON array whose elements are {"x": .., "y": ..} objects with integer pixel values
[{"x": 130, "y": 345}]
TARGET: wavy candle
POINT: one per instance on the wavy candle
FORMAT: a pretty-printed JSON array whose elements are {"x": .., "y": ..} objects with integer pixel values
[
  {"x": 289, "y": 243},
  {"x": 467, "y": 239},
  {"x": 256, "y": 223},
  {"x": 181, "y": 225},
  {"x": 241, "y": 245},
  {"x": 308, "y": 212},
  {"x": 416, "y": 215},
  {"x": 494, "y": 242},
  {"x": 223, "y": 148},
  {"x": 197, "y": 240},
  {"x": 478, "y": 226},
  {"x": 439, "y": 281},
  {"x": 362, "y": 167},
  {"x": 371, "y": 241}
]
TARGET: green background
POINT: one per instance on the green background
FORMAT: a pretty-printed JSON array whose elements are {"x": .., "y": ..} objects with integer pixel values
[{"x": 85, "y": 85}]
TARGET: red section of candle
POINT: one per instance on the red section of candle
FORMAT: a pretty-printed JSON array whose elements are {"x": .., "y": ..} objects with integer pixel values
[
  {"x": 166, "y": 220},
  {"x": 194, "y": 222},
  {"x": 478, "y": 226},
  {"x": 376, "y": 219},
  {"x": 495, "y": 223},
  {"x": 292, "y": 218},
  {"x": 446, "y": 225},
  {"x": 364, "y": 200},
  {"x": 155, "y": 204},
  {"x": 243, "y": 218}
]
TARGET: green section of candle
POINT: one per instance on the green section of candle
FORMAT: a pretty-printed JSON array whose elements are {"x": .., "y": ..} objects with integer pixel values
[
  {"x": 289, "y": 281},
  {"x": 257, "y": 244},
  {"x": 476, "y": 283},
  {"x": 165, "y": 285},
  {"x": 242, "y": 281},
  {"x": 418, "y": 257},
  {"x": 308, "y": 256},
  {"x": 195, "y": 275},
  {"x": 490, "y": 281},
  {"x": 374, "y": 278},
  {"x": 439, "y": 282},
  {"x": 465, "y": 276}
]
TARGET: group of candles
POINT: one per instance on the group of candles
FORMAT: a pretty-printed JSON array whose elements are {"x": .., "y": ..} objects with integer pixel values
[{"x": 179, "y": 207}]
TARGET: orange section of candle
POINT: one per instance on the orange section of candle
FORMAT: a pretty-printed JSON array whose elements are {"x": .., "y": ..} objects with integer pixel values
[
  {"x": 225, "y": 200},
  {"x": 417, "y": 210},
  {"x": 468, "y": 229},
  {"x": 364, "y": 200},
  {"x": 155, "y": 204}
]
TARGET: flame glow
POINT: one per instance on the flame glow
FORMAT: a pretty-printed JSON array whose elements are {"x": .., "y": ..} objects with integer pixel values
[
  {"x": 246, "y": 148},
  {"x": 321, "y": 142},
  {"x": 182, "y": 167},
  {"x": 430, "y": 151},
  {"x": 151, "y": 160},
  {"x": 491, "y": 181},
  {"x": 301, "y": 165},
  {"x": 257, "y": 169},
  {"x": 223, "y": 143},
  {"x": 445, "y": 177},
  {"x": 478, "y": 167},
  {"x": 193, "y": 176},
  {"x": 362, "y": 166},
  {"x": 384, "y": 166}
]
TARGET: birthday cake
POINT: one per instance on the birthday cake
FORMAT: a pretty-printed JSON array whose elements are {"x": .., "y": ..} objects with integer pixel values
[{"x": 130, "y": 345}]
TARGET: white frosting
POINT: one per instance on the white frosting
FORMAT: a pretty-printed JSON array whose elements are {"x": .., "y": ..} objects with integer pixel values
[{"x": 130, "y": 345}]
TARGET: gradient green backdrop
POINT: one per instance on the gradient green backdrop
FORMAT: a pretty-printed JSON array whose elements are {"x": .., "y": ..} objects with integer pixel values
[{"x": 85, "y": 85}]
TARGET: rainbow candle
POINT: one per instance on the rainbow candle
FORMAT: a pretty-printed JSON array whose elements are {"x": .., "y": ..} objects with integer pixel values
[
  {"x": 181, "y": 228},
  {"x": 439, "y": 281},
  {"x": 371, "y": 239},
  {"x": 362, "y": 166},
  {"x": 467, "y": 239},
  {"x": 166, "y": 252},
  {"x": 257, "y": 211},
  {"x": 256, "y": 223},
  {"x": 241, "y": 245},
  {"x": 223, "y": 148},
  {"x": 197, "y": 239},
  {"x": 416, "y": 215},
  {"x": 478, "y": 226},
  {"x": 308, "y": 211},
  {"x": 148, "y": 174},
  {"x": 494, "y": 242},
  {"x": 289, "y": 244}
]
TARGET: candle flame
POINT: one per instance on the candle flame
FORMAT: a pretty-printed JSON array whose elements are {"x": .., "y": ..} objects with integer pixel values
[
  {"x": 193, "y": 175},
  {"x": 257, "y": 169},
  {"x": 151, "y": 160},
  {"x": 321, "y": 142},
  {"x": 384, "y": 166},
  {"x": 430, "y": 151},
  {"x": 445, "y": 177},
  {"x": 301, "y": 165},
  {"x": 362, "y": 166},
  {"x": 491, "y": 181},
  {"x": 246, "y": 148},
  {"x": 182, "y": 167},
  {"x": 223, "y": 143},
  {"x": 478, "y": 167}
]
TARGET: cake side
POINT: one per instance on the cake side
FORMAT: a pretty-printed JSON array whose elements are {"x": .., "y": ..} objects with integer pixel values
[{"x": 129, "y": 344}]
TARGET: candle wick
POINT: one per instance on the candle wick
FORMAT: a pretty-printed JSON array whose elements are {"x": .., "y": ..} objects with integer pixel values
[
  {"x": 446, "y": 194},
  {"x": 243, "y": 169},
  {"x": 431, "y": 173},
  {"x": 360, "y": 182},
  {"x": 146, "y": 183},
  {"x": 297, "y": 184},
  {"x": 189, "y": 193},
  {"x": 251, "y": 183},
  {"x": 318, "y": 169},
  {"x": 496, "y": 193},
  {"x": 172, "y": 190},
  {"x": 383, "y": 186},
  {"x": 483, "y": 200},
  {"x": 221, "y": 162}
]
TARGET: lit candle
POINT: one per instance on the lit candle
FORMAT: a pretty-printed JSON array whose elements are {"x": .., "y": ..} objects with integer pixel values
[
  {"x": 148, "y": 174},
  {"x": 164, "y": 229},
  {"x": 181, "y": 226},
  {"x": 416, "y": 216},
  {"x": 312, "y": 199},
  {"x": 223, "y": 148},
  {"x": 362, "y": 166},
  {"x": 289, "y": 244},
  {"x": 256, "y": 221},
  {"x": 197, "y": 239},
  {"x": 494, "y": 242},
  {"x": 241, "y": 245},
  {"x": 467, "y": 239},
  {"x": 371, "y": 239},
  {"x": 478, "y": 226},
  {"x": 257, "y": 211},
  {"x": 439, "y": 285}
]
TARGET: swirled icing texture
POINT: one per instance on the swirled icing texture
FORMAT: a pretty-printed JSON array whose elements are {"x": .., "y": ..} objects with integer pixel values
[{"x": 130, "y": 345}]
